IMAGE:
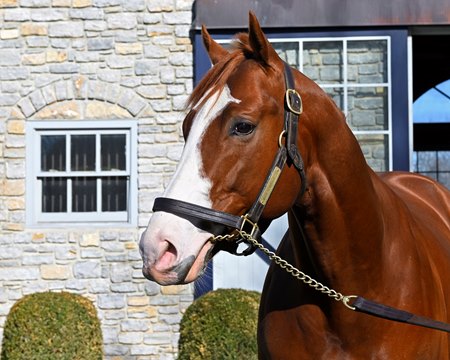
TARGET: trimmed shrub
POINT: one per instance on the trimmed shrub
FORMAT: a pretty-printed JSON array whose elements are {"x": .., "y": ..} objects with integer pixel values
[
  {"x": 53, "y": 326},
  {"x": 220, "y": 325}
]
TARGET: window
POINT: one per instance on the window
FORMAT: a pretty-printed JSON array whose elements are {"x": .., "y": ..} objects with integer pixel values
[
  {"x": 354, "y": 71},
  {"x": 81, "y": 172},
  {"x": 431, "y": 156}
]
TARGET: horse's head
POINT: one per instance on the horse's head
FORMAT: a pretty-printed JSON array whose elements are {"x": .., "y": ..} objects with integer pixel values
[{"x": 232, "y": 134}]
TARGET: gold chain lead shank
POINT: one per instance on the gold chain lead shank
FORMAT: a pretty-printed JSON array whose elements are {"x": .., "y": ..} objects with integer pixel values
[{"x": 306, "y": 279}]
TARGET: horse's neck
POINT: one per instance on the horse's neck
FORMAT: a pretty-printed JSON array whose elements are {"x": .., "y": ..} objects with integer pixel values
[{"x": 340, "y": 214}]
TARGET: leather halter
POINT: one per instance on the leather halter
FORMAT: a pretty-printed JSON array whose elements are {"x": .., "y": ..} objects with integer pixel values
[{"x": 219, "y": 222}]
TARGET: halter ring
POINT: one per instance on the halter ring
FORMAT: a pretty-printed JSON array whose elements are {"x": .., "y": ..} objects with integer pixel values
[
  {"x": 282, "y": 134},
  {"x": 253, "y": 225}
]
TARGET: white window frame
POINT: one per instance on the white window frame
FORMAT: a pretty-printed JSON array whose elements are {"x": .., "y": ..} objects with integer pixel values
[
  {"x": 345, "y": 85},
  {"x": 34, "y": 215}
]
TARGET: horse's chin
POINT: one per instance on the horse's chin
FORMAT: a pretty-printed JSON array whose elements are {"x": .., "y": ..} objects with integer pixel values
[{"x": 185, "y": 271}]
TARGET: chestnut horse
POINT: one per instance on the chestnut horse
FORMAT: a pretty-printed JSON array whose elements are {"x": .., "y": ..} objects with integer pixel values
[{"x": 383, "y": 236}]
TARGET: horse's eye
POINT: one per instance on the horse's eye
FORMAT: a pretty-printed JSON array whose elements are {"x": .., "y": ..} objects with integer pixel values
[{"x": 242, "y": 128}]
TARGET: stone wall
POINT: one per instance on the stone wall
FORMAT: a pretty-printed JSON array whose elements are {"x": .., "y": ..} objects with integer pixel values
[{"x": 85, "y": 60}]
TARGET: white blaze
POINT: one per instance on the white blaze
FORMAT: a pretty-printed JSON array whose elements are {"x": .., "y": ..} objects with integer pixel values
[{"x": 188, "y": 183}]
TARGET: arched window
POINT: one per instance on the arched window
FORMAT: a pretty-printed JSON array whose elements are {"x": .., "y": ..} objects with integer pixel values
[{"x": 431, "y": 155}]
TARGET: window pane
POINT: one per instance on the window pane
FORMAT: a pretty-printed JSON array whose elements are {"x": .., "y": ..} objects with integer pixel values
[
  {"x": 288, "y": 51},
  {"x": 322, "y": 61},
  {"x": 84, "y": 194},
  {"x": 82, "y": 149},
  {"x": 444, "y": 160},
  {"x": 375, "y": 148},
  {"x": 114, "y": 193},
  {"x": 427, "y": 161},
  {"x": 368, "y": 108},
  {"x": 113, "y": 150},
  {"x": 53, "y": 153},
  {"x": 54, "y": 195},
  {"x": 444, "y": 179},
  {"x": 367, "y": 61}
]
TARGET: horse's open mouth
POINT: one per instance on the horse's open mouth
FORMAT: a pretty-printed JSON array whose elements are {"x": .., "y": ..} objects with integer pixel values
[{"x": 183, "y": 271}]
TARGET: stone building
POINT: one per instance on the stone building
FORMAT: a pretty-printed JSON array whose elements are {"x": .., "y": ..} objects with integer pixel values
[
  {"x": 80, "y": 79},
  {"x": 92, "y": 94}
]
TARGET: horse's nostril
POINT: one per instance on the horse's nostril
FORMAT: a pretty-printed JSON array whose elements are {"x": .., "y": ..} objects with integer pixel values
[{"x": 168, "y": 256}]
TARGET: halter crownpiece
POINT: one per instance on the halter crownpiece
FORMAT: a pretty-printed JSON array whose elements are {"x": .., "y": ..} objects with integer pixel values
[{"x": 220, "y": 223}]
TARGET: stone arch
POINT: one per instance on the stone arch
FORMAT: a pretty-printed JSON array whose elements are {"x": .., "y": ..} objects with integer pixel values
[{"x": 81, "y": 98}]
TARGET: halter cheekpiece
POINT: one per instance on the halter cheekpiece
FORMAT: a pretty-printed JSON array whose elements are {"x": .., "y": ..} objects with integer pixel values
[{"x": 220, "y": 223}]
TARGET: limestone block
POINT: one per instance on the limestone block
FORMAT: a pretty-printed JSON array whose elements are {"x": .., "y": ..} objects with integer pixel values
[
  {"x": 131, "y": 338},
  {"x": 121, "y": 273},
  {"x": 23, "y": 273},
  {"x": 123, "y": 21},
  {"x": 137, "y": 301},
  {"x": 33, "y": 59},
  {"x": 9, "y": 34},
  {"x": 35, "y": 3},
  {"x": 12, "y": 187},
  {"x": 101, "y": 110},
  {"x": 43, "y": 15},
  {"x": 56, "y": 56},
  {"x": 16, "y": 127},
  {"x": 158, "y": 338},
  {"x": 67, "y": 110},
  {"x": 128, "y": 48},
  {"x": 61, "y": 3},
  {"x": 144, "y": 350},
  {"x": 173, "y": 289},
  {"x": 87, "y": 270},
  {"x": 81, "y": 3},
  {"x": 8, "y": 3},
  {"x": 111, "y": 301},
  {"x": 9, "y": 57},
  {"x": 90, "y": 239},
  {"x": 15, "y": 14},
  {"x": 28, "y": 29},
  {"x": 16, "y": 203},
  {"x": 71, "y": 29},
  {"x": 177, "y": 17},
  {"x": 37, "y": 99},
  {"x": 133, "y": 325},
  {"x": 160, "y": 5},
  {"x": 55, "y": 272},
  {"x": 88, "y": 13},
  {"x": 38, "y": 237},
  {"x": 100, "y": 44},
  {"x": 15, "y": 169}
]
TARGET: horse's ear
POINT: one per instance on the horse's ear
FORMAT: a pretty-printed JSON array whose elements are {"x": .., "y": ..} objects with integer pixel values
[
  {"x": 214, "y": 50},
  {"x": 263, "y": 51}
]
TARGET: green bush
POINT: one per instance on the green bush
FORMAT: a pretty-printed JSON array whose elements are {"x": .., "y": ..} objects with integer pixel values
[
  {"x": 51, "y": 325},
  {"x": 220, "y": 325}
]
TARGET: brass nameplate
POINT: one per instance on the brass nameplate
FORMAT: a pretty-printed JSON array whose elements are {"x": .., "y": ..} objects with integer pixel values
[{"x": 267, "y": 191}]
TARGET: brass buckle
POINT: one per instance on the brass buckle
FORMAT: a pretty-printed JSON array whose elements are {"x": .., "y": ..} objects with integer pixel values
[
  {"x": 254, "y": 226},
  {"x": 291, "y": 106}
]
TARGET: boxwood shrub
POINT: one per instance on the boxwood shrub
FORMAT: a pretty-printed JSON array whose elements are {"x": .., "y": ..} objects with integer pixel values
[
  {"x": 220, "y": 325},
  {"x": 52, "y": 325}
]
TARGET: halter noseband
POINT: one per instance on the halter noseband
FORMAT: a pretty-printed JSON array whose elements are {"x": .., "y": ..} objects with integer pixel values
[{"x": 219, "y": 222}]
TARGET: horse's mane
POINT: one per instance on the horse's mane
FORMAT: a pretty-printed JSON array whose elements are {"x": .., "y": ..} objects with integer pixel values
[{"x": 218, "y": 75}]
